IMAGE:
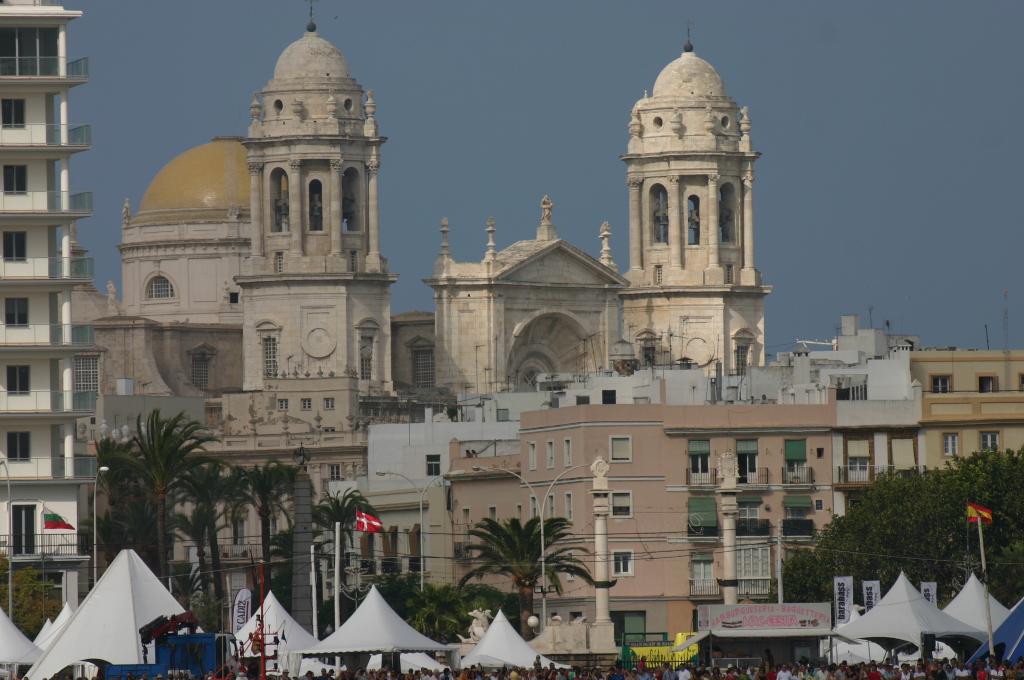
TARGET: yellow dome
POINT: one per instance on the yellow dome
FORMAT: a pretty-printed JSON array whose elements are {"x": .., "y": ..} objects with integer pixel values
[{"x": 210, "y": 180}]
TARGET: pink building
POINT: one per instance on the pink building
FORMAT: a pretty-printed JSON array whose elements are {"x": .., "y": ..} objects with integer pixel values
[{"x": 665, "y": 529}]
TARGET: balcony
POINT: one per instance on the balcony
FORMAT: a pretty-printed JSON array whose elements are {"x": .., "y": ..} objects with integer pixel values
[
  {"x": 798, "y": 528},
  {"x": 240, "y": 551},
  {"x": 43, "y": 402},
  {"x": 55, "y": 467},
  {"x": 46, "y": 335},
  {"x": 707, "y": 478},
  {"x": 800, "y": 474},
  {"x": 47, "y": 268},
  {"x": 44, "y": 67},
  {"x": 753, "y": 527},
  {"x": 390, "y": 565},
  {"x": 698, "y": 531},
  {"x": 44, "y": 546},
  {"x": 704, "y": 588},
  {"x": 754, "y": 587},
  {"x": 46, "y": 203},
  {"x": 415, "y": 564},
  {"x": 758, "y": 477},
  {"x": 368, "y": 566},
  {"x": 42, "y": 135}
]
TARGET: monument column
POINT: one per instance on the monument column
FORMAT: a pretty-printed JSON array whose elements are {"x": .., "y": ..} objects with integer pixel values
[
  {"x": 256, "y": 208},
  {"x": 748, "y": 275},
  {"x": 373, "y": 261},
  {"x": 602, "y": 632},
  {"x": 675, "y": 222},
  {"x": 635, "y": 228},
  {"x": 295, "y": 217},
  {"x": 727, "y": 494},
  {"x": 336, "y": 200}
]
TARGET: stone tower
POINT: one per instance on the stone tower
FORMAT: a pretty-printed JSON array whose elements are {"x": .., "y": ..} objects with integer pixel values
[
  {"x": 315, "y": 289},
  {"x": 695, "y": 296}
]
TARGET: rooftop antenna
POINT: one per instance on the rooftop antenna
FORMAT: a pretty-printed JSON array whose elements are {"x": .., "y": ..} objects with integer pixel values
[{"x": 311, "y": 26}]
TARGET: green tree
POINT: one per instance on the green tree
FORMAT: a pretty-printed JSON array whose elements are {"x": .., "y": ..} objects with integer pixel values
[
  {"x": 342, "y": 508},
  {"x": 35, "y": 598},
  {"x": 193, "y": 527},
  {"x": 1006, "y": 578},
  {"x": 265, "y": 488},
  {"x": 439, "y": 612},
  {"x": 510, "y": 548},
  {"x": 165, "y": 450},
  {"x": 216, "y": 496}
]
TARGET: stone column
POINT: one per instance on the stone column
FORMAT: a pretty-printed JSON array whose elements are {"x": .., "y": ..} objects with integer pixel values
[
  {"x": 635, "y": 228},
  {"x": 714, "y": 273},
  {"x": 675, "y": 229},
  {"x": 602, "y": 633},
  {"x": 336, "y": 203},
  {"x": 256, "y": 208},
  {"x": 295, "y": 217},
  {"x": 748, "y": 275},
  {"x": 373, "y": 261},
  {"x": 728, "y": 473}
]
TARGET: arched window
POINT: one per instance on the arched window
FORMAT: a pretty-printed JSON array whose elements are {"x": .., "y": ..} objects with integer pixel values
[
  {"x": 349, "y": 203},
  {"x": 159, "y": 288},
  {"x": 693, "y": 221},
  {"x": 659, "y": 214},
  {"x": 316, "y": 206},
  {"x": 727, "y": 213},
  {"x": 279, "y": 200}
]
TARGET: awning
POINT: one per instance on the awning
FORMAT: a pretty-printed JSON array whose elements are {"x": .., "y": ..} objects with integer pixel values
[
  {"x": 698, "y": 447},
  {"x": 702, "y": 511},
  {"x": 796, "y": 449},
  {"x": 797, "y": 502},
  {"x": 692, "y": 640},
  {"x": 746, "y": 446},
  {"x": 770, "y": 632}
]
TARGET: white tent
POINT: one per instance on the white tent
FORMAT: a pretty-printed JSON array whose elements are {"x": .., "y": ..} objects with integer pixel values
[
  {"x": 43, "y": 632},
  {"x": 501, "y": 645},
  {"x": 14, "y": 646},
  {"x": 277, "y": 621},
  {"x": 969, "y": 606},
  {"x": 106, "y": 626},
  {"x": 411, "y": 662},
  {"x": 903, "y": 616},
  {"x": 373, "y": 627},
  {"x": 43, "y": 641},
  {"x": 848, "y": 650}
]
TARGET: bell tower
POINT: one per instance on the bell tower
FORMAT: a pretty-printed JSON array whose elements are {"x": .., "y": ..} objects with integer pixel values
[{"x": 695, "y": 295}]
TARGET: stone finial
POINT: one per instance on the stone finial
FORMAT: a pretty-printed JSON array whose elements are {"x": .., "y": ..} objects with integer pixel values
[
  {"x": 606, "y": 250},
  {"x": 444, "y": 237},
  {"x": 298, "y": 107},
  {"x": 709, "y": 121},
  {"x": 745, "y": 129},
  {"x": 676, "y": 123},
  {"x": 636, "y": 127},
  {"x": 126, "y": 213},
  {"x": 370, "y": 107},
  {"x": 491, "y": 247},
  {"x": 546, "y": 230},
  {"x": 332, "y": 106},
  {"x": 255, "y": 107}
]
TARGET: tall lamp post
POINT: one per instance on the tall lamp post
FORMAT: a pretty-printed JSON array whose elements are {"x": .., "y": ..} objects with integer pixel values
[
  {"x": 543, "y": 506},
  {"x": 423, "y": 492},
  {"x": 10, "y": 543},
  {"x": 95, "y": 525}
]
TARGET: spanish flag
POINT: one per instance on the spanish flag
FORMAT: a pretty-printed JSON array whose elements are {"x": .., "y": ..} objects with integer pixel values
[{"x": 978, "y": 513}]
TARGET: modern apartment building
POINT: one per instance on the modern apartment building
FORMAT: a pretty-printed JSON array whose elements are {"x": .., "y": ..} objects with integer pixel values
[{"x": 43, "y": 389}]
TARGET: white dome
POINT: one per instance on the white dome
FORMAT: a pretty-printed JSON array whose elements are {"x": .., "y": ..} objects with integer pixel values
[
  {"x": 691, "y": 77},
  {"x": 311, "y": 57}
]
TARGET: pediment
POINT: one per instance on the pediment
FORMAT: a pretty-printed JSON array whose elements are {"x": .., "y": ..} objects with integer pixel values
[{"x": 561, "y": 264}]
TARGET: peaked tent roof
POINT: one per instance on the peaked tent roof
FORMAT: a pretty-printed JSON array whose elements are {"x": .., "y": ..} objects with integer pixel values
[
  {"x": 969, "y": 606},
  {"x": 106, "y": 626},
  {"x": 56, "y": 626},
  {"x": 903, "y": 615},
  {"x": 41, "y": 635},
  {"x": 501, "y": 645},
  {"x": 1009, "y": 636},
  {"x": 278, "y": 621},
  {"x": 374, "y": 627},
  {"x": 411, "y": 662},
  {"x": 14, "y": 646}
]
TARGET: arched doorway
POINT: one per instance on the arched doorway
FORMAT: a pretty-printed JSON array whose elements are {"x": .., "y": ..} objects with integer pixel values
[{"x": 547, "y": 343}]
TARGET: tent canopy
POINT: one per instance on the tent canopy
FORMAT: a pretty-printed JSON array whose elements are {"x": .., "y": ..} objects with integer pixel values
[
  {"x": 48, "y": 635},
  {"x": 411, "y": 662},
  {"x": 1008, "y": 638},
  {"x": 903, "y": 615},
  {"x": 969, "y": 606},
  {"x": 277, "y": 621},
  {"x": 501, "y": 645},
  {"x": 373, "y": 627},
  {"x": 106, "y": 626},
  {"x": 14, "y": 646}
]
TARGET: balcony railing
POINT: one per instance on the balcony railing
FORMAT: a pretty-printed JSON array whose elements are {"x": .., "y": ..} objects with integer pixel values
[
  {"x": 415, "y": 564},
  {"x": 704, "y": 587},
  {"x": 758, "y": 477},
  {"x": 44, "y": 545},
  {"x": 390, "y": 565},
  {"x": 802, "y": 528},
  {"x": 45, "y": 202},
  {"x": 753, "y": 527},
  {"x": 754, "y": 587},
  {"x": 41, "y": 134},
  {"x": 694, "y": 530},
  {"x": 46, "y": 401},
  {"x": 46, "y": 335},
  {"x": 708, "y": 478},
  {"x": 800, "y": 474},
  {"x": 368, "y": 566},
  {"x": 47, "y": 268},
  {"x": 47, "y": 67}
]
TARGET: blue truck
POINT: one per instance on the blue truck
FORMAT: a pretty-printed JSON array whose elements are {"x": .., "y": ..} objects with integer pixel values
[{"x": 180, "y": 647}]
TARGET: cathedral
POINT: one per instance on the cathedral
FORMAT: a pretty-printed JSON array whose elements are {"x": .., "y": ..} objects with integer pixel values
[{"x": 253, "y": 275}]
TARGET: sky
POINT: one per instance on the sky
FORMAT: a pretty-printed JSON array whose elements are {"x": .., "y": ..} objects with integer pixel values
[{"x": 889, "y": 185}]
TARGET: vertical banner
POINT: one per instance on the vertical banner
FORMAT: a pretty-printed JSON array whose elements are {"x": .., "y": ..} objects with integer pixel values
[
  {"x": 242, "y": 609},
  {"x": 843, "y": 598},
  {"x": 929, "y": 591},
  {"x": 872, "y": 594}
]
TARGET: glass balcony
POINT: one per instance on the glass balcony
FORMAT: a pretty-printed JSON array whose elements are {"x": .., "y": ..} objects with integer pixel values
[
  {"x": 43, "y": 67},
  {"x": 46, "y": 335},
  {"x": 46, "y": 202},
  {"x": 56, "y": 467},
  {"x": 46, "y": 135},
  {"x": 79, "y": 268},
  {"x": 45, "y": 401}
]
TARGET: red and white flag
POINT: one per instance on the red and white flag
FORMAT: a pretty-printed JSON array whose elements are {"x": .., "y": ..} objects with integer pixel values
[{"x": 367, "y": 523}]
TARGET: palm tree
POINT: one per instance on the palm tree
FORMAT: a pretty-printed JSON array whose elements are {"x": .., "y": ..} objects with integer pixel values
[
  {"x": 194, "y": 527},
  {"x": 510, "y": 548},
  {"x": 342, "y": 509},
  {"x": 438, "y": 611},
  {"x": 217, "y": 494},
  {"x": 265, "y": 488},
  {"x": 166, "y": 449}
]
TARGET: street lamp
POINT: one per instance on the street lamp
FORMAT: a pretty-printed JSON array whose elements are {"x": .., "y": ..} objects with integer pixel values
[
  {"x": 423, "y": 491},
  {"x": 95, "y": 525},
  {"x": 10, "y": 543},
  {"x": 543, "y": 506}
]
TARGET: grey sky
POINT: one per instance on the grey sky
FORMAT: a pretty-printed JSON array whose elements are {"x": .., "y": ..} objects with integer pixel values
[{"x": 891, "y": 178}]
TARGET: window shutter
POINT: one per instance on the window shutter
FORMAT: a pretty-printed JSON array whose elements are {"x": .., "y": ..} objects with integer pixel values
[
  {"x": 703, "y": 507},
  {"x": 797, "y": 502},
  {"x": 699, "y": 447},
  {"x": 796, "y": 449},
  {"x": 903, "y": 454}
]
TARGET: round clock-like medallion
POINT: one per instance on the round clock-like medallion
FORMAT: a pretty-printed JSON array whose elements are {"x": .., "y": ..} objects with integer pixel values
[{"x": 319, "y": 343}]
